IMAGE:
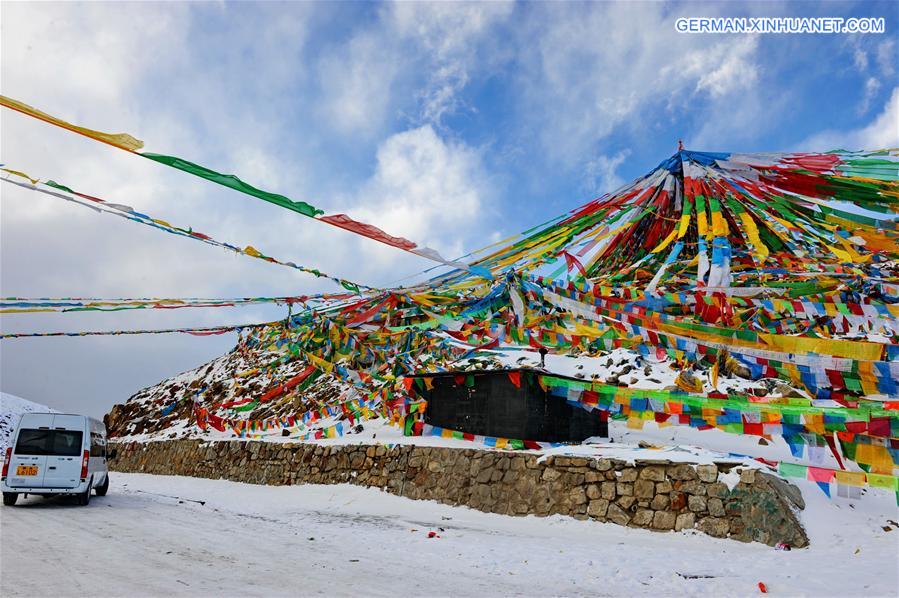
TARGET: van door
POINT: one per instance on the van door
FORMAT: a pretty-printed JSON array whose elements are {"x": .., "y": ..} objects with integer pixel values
[
  {"x": 29, "y": 458},
  {"x": 97, "y": 463},
  {"x": 65, "y": 452}
]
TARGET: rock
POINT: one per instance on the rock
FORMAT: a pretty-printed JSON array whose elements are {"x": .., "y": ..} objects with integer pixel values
[
  {"x": 678, "y": 501},
  {"x": 626, "y": 502},
  {"x": 697, "y": 504},
  {"x": 786, "y": 490},
  {"x": 655, "y": 473},
  {"x": 716, "y": 527},
  {"x": 682, "y": 471},
  {"x": 603, "y": 464},
  {"x": 642, "y": 518},
  {"x": 616, "y": 514},
  {"x": 663, "y": 487},
  {"x": 628, "y": 475},
  {"x": 707, "y": 473},
  {"x": 693, "y": 487},
  {"x": 644, "y": 489},
  {"x": 685, "y": 521},
  {"x": 624, "y": 489},
  {"x": 747, "y": 476},
  {"x": 660, "y": 502},
  {"x": 607, "y": 490},
  {"x": 716, "y": 507},
  {"x": 717, "y": 490},
  {"x": 577, "y": 495},
  {"x": 785, "y": 390},
  {"x": 598, "y": 508},
  {"x": 664, "y": 520},
  {"x": 593, "y": 492},
  {"x": 551, "y": 474}
]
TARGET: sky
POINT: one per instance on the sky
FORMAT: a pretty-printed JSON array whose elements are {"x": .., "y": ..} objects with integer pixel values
[{"x": 450, "y": 124}]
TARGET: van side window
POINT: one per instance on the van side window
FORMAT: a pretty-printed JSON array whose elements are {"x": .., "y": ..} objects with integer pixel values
[{"x": 98, "y": 448}]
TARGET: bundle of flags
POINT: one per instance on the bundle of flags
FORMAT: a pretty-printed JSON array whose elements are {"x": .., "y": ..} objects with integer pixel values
[{"x": 771, "y": 265}]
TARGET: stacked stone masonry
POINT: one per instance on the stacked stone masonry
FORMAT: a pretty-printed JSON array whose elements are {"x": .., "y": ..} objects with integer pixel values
[{"x": 655, "y": 495}]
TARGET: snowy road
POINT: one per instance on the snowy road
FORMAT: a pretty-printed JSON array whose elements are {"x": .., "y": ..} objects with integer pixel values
[{"x": 345, "y": 540}]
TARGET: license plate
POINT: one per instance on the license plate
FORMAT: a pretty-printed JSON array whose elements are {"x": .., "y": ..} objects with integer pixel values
[{"x": 26, "y": 470}]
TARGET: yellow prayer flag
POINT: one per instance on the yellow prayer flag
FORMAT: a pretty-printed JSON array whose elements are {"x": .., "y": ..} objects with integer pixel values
[
  {"x": 120, "y": 140},
  {"x": 851, "y": 478}
]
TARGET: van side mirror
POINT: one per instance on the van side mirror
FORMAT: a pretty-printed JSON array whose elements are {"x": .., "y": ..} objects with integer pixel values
[{"x": 112, "y": 454}]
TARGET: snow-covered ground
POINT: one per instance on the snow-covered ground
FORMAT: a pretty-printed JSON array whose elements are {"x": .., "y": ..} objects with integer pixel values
[
  {"x": 149, "y": 537},
  {"x": 11, "y": 409}
]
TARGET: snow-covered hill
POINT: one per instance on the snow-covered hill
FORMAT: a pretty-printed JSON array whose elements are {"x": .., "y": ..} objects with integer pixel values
[{"x": 11, "y": 409}]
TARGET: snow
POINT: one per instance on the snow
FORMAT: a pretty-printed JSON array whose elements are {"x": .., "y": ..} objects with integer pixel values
[
  {"x": 147, "y": 537},
  {"x": 11, "y": 410}
]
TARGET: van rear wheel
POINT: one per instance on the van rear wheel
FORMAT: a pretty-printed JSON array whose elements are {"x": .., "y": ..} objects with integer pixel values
[
  {"x": 9, "y": 498},
  {"x": 102, "y": 488},
  {"x": 85, "y": 497}
]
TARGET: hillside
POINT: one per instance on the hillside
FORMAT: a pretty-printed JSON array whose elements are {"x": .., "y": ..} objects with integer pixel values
[{"x": 11, "y": 409}]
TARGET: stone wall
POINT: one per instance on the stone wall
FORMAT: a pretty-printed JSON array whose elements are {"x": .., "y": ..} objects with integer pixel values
[{"x": 656, "y": 495}]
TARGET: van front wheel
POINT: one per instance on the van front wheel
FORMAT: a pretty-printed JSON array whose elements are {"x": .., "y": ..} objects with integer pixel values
[
  {"x": 85, "y": 497},
  {"x": 9, "y": 498},
  {"x": 102, "y": 488}
]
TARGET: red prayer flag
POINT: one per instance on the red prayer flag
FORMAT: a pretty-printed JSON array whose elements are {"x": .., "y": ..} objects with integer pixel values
[
  {"x": 367, "y": 230},
  {"x": 515, "y": 378}
]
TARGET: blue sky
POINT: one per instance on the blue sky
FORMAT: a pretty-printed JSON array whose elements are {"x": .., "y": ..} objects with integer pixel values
[{"x": 449, "y": 123}]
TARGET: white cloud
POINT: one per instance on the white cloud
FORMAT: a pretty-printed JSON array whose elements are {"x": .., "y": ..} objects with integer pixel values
[
  {"x": 449, "y": 34},
  {"x": 601, "y": 174},
  {"x": 881, "y": 69},
  {"x": 415, "y": 60},
  {"x": 357, "y": 81},
  {"x": 872, "y": 87},
  {"x": 860, "y": 58},
  {"x": 427, "y": 189},
  {"x": 446, "y": 28},
  {"x": 880, "y": 133},
  {"x": 723, "y": 68},
  {"x": 588, "y": 69},
  {"x": 886, "y": 56}
]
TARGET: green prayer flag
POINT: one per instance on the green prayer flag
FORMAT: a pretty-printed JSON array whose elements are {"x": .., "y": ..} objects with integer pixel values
[
  {"x": 877, "y": 480},
  {"x": 229, "y": 180},
  {"x": 58, "y": 186},
  {"x": 791, "y": 470}
]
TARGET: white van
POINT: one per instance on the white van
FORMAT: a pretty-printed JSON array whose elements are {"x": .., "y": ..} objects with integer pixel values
[{"x": 55, "y": 453}]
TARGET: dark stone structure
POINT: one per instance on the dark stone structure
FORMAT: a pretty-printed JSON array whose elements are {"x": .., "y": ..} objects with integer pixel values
[{"x": 506, "y": 404}]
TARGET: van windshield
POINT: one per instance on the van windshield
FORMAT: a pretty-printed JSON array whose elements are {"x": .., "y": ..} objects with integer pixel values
[{"x": 63, "y": 443}]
